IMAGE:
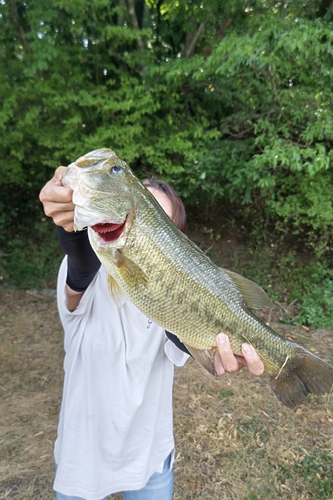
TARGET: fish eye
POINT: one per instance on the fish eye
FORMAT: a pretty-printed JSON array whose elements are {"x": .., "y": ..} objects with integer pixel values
[{"x": 115, "y": 169}]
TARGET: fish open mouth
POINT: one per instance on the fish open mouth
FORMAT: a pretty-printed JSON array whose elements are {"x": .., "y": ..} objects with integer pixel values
[{"x": 108, "y": 231}]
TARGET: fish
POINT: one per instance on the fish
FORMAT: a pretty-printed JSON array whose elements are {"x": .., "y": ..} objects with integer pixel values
[{"x": 175, "y": 284}]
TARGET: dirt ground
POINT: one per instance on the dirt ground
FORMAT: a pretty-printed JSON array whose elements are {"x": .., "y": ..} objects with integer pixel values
[{"x": 234, "y": 439}]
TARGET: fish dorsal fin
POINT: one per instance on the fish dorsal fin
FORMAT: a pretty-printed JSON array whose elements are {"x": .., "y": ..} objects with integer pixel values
[
  {"x": 206, "y": 359},
  {"x": 254, "y": 296},
  {"x": 116, "y": 292},
  {"x": 130, "y": 272}
]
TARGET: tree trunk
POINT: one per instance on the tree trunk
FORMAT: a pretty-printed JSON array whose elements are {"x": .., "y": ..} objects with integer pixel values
[
  {"x": 17, "y": 21},
  {"x": 121, "y": 17},
  {"x": 134, "y": 21},
  {"x": 192, "y": 40}
]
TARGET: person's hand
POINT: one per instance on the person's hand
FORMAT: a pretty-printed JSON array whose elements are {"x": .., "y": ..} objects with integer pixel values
[
  {"x": 228, "y": 362},
  {"x": 57, "y": 201}
]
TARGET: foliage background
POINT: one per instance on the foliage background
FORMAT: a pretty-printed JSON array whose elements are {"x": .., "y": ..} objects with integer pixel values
[{"x": 230, "y": 101}]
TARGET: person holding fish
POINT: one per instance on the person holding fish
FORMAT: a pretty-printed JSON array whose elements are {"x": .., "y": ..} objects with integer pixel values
[{"x": 115, "y": 429}]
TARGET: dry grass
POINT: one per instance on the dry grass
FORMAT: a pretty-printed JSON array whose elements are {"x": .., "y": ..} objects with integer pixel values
[
  {"x": 234, "y": 439},
  {"x": 30, "y": 389}
]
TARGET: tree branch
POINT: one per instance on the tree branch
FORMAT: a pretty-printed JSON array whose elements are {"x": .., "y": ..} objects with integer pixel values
[
  {"x": 224, "y": 26},
  {"x": 194, "y": 38}
]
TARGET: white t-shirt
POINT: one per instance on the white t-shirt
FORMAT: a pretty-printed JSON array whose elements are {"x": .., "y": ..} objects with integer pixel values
[{"x": 116, "y": 423}]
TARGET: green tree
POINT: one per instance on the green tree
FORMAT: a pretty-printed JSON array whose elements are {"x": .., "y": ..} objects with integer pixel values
[{"x": 225, "y": 99}]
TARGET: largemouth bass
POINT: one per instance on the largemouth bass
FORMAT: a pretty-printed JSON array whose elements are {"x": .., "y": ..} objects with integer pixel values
[{"x": 174, "y": 283}]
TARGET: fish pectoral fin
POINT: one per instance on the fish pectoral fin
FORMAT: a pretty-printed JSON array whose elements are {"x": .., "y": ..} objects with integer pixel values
[
  {"x": 254, "y": 296},
  {"x": 206, "y": 359},
  {"x": 116, "y": 292},
  {"x": 130, "y": 272}
]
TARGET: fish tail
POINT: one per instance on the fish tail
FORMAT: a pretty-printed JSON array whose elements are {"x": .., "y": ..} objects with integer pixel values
[{"x": 300, "y": 375}]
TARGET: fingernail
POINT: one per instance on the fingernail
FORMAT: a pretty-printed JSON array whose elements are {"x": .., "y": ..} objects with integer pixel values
[
  {"x": 221, "y": 338},
  {"x": 247, "y": 349}
]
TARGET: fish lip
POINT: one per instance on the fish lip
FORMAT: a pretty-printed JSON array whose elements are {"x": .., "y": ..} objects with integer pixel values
[{"x": 109, "y": 232}]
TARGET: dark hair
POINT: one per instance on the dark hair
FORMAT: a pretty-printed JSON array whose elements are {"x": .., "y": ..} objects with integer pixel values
[{"x": 178, "y": 209}]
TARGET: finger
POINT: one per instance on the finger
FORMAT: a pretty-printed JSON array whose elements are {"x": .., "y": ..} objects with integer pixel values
[
  {"x": 69, "y": 227},
  {"x": 65, "y": 220},
  {"x": 56, "y": 194},
  {"x": 228, "y": 360},
  {"x": 253, "y": 361},
  {"x": 218, "y": 364},
  {"x": 58, "y": 174},
  {"x": 52, "y": 208},
  {"x": 241, "y": 361}
]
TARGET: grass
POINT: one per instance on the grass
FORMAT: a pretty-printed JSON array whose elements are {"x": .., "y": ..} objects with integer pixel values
[
  {"x": 316, "y": 471},
  {"x": 234, "y": 439},
  {"x": 242, "y": 447}
]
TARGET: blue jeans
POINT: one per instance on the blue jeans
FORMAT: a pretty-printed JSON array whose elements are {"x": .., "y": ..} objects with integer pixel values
[{"x": 159, "y": 487}]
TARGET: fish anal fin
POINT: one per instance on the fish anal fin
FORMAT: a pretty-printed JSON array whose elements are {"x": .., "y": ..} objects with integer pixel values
[
  {"x": 205, "y": 358},
  {"x": 130, "y": 272},
  {"x": 116, "y": 292},
  {"x": 254, "y": 296},
  {"x": 302, "y": 374}
]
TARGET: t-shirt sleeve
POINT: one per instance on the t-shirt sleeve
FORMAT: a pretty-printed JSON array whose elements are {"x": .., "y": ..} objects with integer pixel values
[
  {"x": 177, "y": 356},
  {"x": 66, "y": 316}
]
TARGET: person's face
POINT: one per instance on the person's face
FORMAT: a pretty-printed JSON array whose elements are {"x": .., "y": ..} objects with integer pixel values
[{"x": 163, "y": 200}]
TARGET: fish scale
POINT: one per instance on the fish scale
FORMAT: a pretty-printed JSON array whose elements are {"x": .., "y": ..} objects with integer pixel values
[
  {"x": 175, "y": 284},
  {"x": 199, "y": 330}
]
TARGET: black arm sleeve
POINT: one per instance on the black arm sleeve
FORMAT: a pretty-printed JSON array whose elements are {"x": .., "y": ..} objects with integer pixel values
[
  {"x": 83, "y": 263},
  {"x": 177, "y": 342}
]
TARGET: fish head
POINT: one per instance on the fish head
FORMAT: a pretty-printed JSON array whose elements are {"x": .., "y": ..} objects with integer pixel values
[{"x": 105, "y": 194}]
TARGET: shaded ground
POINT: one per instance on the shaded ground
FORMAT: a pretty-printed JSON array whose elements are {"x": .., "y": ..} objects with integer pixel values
[{"x": 234, "y": 439}]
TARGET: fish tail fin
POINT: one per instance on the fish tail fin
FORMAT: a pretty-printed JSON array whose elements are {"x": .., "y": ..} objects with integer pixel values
[{"x": 303, "y": 374}]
